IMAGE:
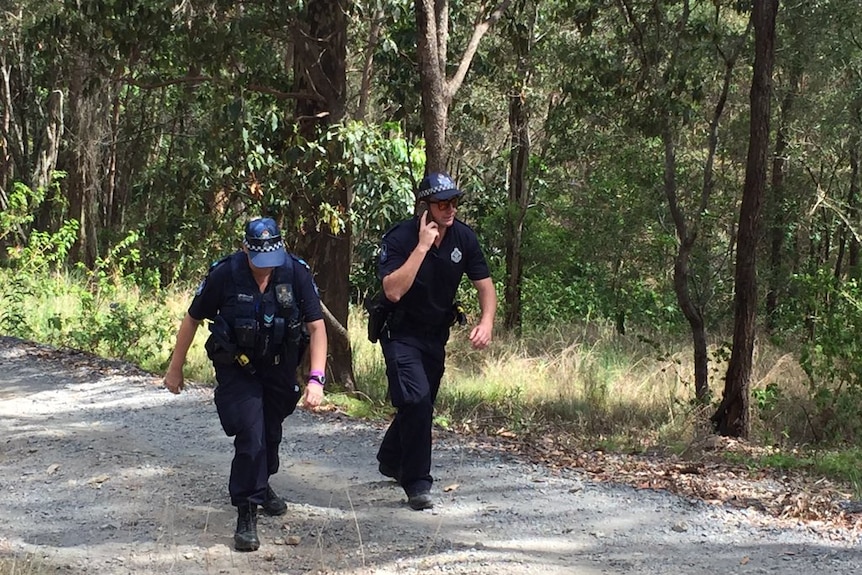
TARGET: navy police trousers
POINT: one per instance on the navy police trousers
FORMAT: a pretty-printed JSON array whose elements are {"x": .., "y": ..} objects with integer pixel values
[
  {"x": 252, "y": 409},
  {"x": 414, "y": 368}
]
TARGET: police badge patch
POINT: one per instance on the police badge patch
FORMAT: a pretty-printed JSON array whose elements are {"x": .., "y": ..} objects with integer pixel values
[
  {"x": 383, "y": 254},
  {"x": 456, "y": 255},
  {"x": 201, "y": 287}
]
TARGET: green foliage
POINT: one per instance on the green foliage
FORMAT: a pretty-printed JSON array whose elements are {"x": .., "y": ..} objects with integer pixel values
[
  {"x": 14, "y": 297},
  {"x": 767, "y": 398},
  {"x": 21, "y": 206},
  {"x": 384, "y": 168},
  {"x": 98, "y": 310},
  {"x": 832, "y": 358}
]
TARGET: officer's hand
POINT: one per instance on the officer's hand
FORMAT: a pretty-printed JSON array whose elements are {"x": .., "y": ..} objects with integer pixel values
[
  {"x": 174, "y": 382},
  {"x": 313, "y": 396},
  {"x": 428, "y": 231},
  {"x": 480, "y": 336}
]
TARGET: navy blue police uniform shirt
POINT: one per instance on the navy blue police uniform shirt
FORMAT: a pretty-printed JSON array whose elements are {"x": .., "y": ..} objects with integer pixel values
[
  {"x": 428, "y": 302},
  {"x": 213, "y": 291}
]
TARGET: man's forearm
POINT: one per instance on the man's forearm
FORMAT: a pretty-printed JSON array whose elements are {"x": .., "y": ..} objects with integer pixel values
[
  {"x": 487, "y": 301},
  {"x": 399, "y": 282}
]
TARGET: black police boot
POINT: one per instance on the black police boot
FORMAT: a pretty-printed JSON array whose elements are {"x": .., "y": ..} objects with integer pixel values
[
  {"x": 420, "y": 501},
  {"x": 245, "y": 538},
  {"x": 273, "y": 504}
]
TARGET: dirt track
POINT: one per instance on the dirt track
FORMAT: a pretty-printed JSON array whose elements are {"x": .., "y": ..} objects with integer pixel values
[{"x": 104, "y": 472}]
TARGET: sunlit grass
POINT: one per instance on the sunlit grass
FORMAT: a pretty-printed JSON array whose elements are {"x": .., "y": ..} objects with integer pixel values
[{"x": 607, "y": 390}]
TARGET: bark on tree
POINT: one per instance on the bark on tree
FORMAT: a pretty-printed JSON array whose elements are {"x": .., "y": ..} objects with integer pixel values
[
  {"x": 49, "y": 147},
  {"x": 777, "y": 267},
  {"x": 432, "y": 26},
  {"x": 687, "y": 237},
  {"x": 853, "y": 259},
  {"x": 688, "y": 229},
  {"x": 519, "y": 161},
  {"x": 320, "y": 72},
  {"x": 853, "y": 264},
  {"x": 374, "y": 28},
  {"x": 81, "y": 162},
  {"x": 732, "y": 416}
]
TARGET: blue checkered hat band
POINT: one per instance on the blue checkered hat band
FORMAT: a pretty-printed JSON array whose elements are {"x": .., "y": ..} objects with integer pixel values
[
  {"x": 271, "y": 244},
  {"x": 434, "y": 190}
]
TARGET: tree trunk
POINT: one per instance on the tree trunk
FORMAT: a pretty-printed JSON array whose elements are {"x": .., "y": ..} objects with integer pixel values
[
  {"x": 49, "y": 147},
  {"x": 853, "y": 258},
  {"x": 320, "y": 71},
  {"x": 732, "y": 416},
  {"x": 80, "y": 163},
  {"x": 374, "y": 27},
  {"x": 519, "y": 162},
  {"x": 692, "y": 312},
  {"x": 432, "y": 30},
  {"x": 777, "y": 274}
]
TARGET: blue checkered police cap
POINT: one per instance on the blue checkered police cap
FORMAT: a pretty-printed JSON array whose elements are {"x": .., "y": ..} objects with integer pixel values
[
  {"x": 264, "y": 244},
  {"x": 437, "y": 186}
]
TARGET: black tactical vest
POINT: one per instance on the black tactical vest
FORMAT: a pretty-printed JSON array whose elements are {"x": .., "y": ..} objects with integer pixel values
[{"x": 264, "y": 326}]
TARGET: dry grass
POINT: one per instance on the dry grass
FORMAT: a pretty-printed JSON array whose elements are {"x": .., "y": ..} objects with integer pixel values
[
  {"x": 607, "y": 387},
  {"x": 24, "y": 565}
]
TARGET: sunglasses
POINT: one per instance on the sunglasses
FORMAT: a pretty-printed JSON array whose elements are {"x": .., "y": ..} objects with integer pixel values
[{"x": 446, "y": 204}]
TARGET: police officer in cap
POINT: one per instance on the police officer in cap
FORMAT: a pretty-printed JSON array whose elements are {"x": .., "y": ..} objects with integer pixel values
[
  {"x": 264, "y": 309},
  {"x": 421, "y": 263}
]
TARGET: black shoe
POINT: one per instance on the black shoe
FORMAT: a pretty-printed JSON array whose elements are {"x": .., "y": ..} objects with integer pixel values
[
  {"x": 420, "y": 501},
  {"x": 389, "y": 471},
  {"x": 273, "y": 504},
  {"x": 245, "y": 538}
]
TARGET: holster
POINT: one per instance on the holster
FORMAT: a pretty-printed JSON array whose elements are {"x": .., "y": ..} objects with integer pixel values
[{"x": 379, "y": 309}]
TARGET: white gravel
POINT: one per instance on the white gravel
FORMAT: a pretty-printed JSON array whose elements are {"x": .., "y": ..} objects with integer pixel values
[{"x": 104, "y": 472}]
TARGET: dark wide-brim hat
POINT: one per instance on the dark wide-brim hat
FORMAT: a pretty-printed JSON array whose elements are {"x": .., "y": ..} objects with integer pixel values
[
  {"x": 437, "y": 186},
  {"x": 264, "y": 244}
]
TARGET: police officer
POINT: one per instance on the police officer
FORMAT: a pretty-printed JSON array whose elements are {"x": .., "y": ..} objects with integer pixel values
[
  {"x": 421, "y": 263},
  {"x": 264, "y": 308}
]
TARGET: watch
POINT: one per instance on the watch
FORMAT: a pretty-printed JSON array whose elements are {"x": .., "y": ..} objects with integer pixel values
[{"x": 317, "y": 378}]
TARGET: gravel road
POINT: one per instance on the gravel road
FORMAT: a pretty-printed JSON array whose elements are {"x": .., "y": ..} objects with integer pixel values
[{"x": 104, "y": 472}]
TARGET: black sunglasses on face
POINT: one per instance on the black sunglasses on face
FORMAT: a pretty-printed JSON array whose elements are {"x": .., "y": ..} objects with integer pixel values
[{"x": 446, "y": 204}]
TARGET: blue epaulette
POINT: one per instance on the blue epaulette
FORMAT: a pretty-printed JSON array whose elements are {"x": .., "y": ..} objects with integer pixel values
[{"x": 300, "y": 260}]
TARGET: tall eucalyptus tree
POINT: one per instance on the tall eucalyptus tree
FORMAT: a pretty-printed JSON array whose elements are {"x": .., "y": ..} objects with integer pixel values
[
  {"x": 732, "y": 416},
  {"x": 682, "y": 57},
  {"x": 520, "y": 26}
]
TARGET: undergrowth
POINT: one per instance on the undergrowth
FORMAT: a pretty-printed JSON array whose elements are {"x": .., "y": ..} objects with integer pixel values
[{"x": 611, "y": 391}]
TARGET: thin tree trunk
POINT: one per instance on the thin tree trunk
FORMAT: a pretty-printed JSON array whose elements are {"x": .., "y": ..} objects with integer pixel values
[
  {"x": 692, "y": 312},
  {"x": 432, "y": 28},
  {"x": 519, "y": 160},
  {"x": 49, "y": 148},
  {"x": 431, "y": 54},
  {"x": 853, "y": 259},
  {"x": 777, "y": 275},
  {"x": 368, "y": 65},
  {"x": 732, "y": 416}
]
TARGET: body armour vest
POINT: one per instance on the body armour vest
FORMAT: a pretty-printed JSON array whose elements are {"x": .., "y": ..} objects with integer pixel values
[{"x": 264, "y": 326}]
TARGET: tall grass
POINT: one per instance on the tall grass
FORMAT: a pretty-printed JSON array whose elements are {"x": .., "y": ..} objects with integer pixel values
[
  {"x": 595, "y": 383},
  {"x": 585, "y": 379}
]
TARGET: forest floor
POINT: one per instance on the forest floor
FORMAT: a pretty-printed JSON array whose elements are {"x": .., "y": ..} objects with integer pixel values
[{"x": 103, "y": 472}]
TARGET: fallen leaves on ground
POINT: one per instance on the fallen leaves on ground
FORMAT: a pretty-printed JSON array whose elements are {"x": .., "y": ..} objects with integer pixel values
[{"x": 704, "y": 473}]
